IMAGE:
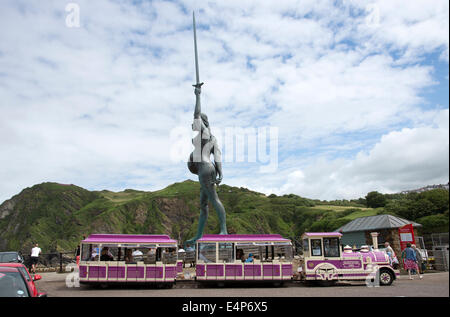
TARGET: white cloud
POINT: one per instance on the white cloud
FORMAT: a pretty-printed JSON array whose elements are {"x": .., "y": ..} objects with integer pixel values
[
  {"x": 95, "y": 105},
  {"x": 401, "y": 160}
]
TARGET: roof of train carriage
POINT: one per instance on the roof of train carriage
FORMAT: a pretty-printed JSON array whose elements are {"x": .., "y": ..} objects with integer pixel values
[
  {"x": 128, "y": 238},
  {"x": 242, "y": 237},
  {"x": 322, "y": 234}
]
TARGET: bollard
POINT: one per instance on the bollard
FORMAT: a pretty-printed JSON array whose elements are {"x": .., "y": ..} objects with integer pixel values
[{"x": 60, "y": 263}]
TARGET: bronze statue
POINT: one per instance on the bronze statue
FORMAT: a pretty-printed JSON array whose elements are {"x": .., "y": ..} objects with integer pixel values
[{"x": 209, "y": 173}]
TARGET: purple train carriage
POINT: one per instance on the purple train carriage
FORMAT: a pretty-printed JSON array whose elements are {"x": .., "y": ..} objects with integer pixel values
[
  {"x": 244, "y": 257},
  {"x": 114, "y": 258},
  {"x": 325, "y": 260}
]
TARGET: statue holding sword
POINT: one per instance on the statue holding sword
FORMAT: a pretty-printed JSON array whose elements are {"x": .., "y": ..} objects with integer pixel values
[{"x": 209, "y": 173}]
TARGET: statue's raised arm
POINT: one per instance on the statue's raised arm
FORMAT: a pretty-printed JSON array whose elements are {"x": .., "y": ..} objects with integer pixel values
[{"x": 198, "y": 107}]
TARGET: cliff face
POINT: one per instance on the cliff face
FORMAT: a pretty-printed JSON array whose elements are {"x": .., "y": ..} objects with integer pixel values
[
  {"x": 43, "y": 212},
  {"x": 57, "y": 216}
]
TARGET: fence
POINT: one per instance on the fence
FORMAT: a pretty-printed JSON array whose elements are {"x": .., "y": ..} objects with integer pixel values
[
  {"x": 437, "y": 246},
  {"x": 56, "y": 261}
]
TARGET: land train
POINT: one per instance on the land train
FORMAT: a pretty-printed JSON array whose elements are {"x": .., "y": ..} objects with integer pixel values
[{"x": 117, "y": 258}]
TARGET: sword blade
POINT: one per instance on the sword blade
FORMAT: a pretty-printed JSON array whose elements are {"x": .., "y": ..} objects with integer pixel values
[{"x": 196, "y": 52}]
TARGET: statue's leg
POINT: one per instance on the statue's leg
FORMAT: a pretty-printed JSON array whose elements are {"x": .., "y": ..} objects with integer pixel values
[
  {"x": 218, "y": 206},
  {"x": 203, "y": 214},
  {"x": 202, "y": 219}
]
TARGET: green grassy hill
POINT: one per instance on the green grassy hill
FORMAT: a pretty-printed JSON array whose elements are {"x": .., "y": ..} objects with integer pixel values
[{"x": 57, "y": 216}]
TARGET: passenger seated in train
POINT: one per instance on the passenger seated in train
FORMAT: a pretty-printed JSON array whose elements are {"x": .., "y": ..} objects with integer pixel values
[
  {"x": 105, "y": 255},
  {"x": 151, "y": 256},
  {"x": 95, "y": 254},
  {"x": 137, "y": 255},
  {"x": 129, "y": 257},
  {"x": 250, "y": 258},
  {"x": 240, "y": 255}
]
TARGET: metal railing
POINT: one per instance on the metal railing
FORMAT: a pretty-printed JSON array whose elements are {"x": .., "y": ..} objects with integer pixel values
[
  {"x": 55, "y": 261},
  {"x": 437, "y": 247}
]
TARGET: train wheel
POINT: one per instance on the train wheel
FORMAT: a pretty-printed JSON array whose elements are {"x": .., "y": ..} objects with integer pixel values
[{"x": 386, "y": 277}]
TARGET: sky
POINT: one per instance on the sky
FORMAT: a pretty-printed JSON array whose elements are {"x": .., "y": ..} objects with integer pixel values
[{"x": 347, "y": 96}]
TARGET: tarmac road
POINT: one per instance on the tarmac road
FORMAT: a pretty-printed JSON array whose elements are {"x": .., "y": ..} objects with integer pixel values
[{"x": 432, "y": 285}]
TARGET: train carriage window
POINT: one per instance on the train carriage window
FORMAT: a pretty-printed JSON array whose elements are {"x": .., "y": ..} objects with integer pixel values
[
  {"x": 150, "y": 255},
  {"x": 331, "y": 247},
  {"x": 226, "y": 252},
  {"x": 207, "y": 252},
  {"x": 109, "y": 252},
  {"x": 284, "y": 251},
  {"x": 316, "y": 247},
  {"x": 305, "y": 247},
  {"x": 86, "y": 250},
  {"x": 139, "y": 254},
  {"x": 246, "y": 249},
  {"x": 93, "y": 253},
  {"x": 169, "y": 255},
  {"x": 267, "y": 252}
]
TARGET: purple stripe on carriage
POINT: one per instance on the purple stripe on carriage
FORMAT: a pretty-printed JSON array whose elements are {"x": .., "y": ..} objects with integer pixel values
[
  {"x": 97, "y": 272},
  {"x": 271, "y": 270},
  {"x": 83, "y": 271},
  {"x": 116, "y": 272},
  {"x": 233, "y": 270},
  {"x": 128, "y": 238},
  {"x": 340, "y": 264},
  {"x": 171, "y": 272},
  {"x": 243, "y": 237},
  {"x": 286, "y": 269},
  {"x": 154, "y": 272},
  {"x": 200, "y": 270},
  {"x": 214, "y": 270},
  {"x": 252, "y": 270},
  {"x": 179, "y": 267},
  {"x": 323, "y": 234},
  {"x": 135, "y": 272}
]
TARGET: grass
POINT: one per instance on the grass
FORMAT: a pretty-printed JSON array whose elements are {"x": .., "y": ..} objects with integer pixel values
[
  {"x": 121, "y": 197},
  {"x": 338, "y": 208},
  {"x": 363, "y": 213}
]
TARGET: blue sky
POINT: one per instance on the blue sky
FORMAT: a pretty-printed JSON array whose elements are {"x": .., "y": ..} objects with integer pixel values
[{"x": 358, "y": 92}]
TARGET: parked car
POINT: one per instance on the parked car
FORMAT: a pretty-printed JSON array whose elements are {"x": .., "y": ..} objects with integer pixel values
[
  {"x": 11, "y": 257},
  {"x": 12, "y": 278}
]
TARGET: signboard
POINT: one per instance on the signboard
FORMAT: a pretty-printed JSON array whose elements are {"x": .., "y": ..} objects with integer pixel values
[{"x": 406, "y": 235}]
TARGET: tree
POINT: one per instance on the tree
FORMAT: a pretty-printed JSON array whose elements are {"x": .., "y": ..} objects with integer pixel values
[
  {"x": 438, "y": 198},
  {"x": 421, "y": 208},
  {"x": 375, "y": 200}
]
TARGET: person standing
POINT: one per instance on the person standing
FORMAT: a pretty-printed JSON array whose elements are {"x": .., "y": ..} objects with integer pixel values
[
  {"x": 419, "y": 259},
  {"x": 392, "y": 257},
  {"x": 35, "y": 252},
  {"x": 410, "y": 260}
]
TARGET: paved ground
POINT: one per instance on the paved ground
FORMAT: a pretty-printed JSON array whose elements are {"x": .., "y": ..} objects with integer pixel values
[{"x": 432, "y": 284}]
